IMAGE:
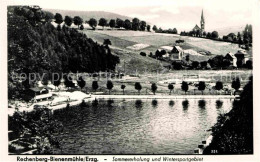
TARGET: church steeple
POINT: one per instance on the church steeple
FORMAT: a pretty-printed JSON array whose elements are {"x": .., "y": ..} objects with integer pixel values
[{"x": 202, "y": 22}]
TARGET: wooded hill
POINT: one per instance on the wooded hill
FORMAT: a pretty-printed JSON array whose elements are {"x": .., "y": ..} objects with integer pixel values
[{"x": 36, "y": 46}]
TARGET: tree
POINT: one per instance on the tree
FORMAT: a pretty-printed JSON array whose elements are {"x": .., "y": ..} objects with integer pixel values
[
  {"x": 123, "y": 88},
  {"x": 58, "y": 18},
  {"x": 142, "y": 25},
  {"x": 204, "y": 34},
  {"x": 127, "y": 24},
  {"x": 187, "y": 58},
  {"x": 249, "y": 64},
  {"x": 81, "y": 82},
  {"x": 184, "y": 86},
  {"x": 170, "y": 87},
  {"x": 119, "y": 23},
  {"x": 68, "y": 82},
  {"x": 68, "y": 20},
  {"x": 204, "y": 64},
  {"x": 107, "y": 42},
  {"x": 233, "y": 132},
  {"x": 35, "y": 129},
  {"x": 163, "y": 52},
  {"x": 43, "y": 49},
  {"x": 208, "y": 35},
  {"x": 56, "y": 80},
  {"x": 158, "y": 54},
  {"x": 59, "y": 27},
  {"x": 198, "y": 33},
  {"x": 112, "y": 23},
  {"x": 236, "y": 84},
  {"x": 138, "y": 87},
  {"x": 78, "y": 21},
  {"x": 109, "y": 85},
  {"x": 102, "y": 22},
  {"x": 232, "y": 36},
  {"x": 216, "y": 61},
  {"x": 174, "y": 31},
  {"x": 219, "y": 85},
  {"x": 142, "y": 53},
  {"x": 154, "y": 88},
  {"x": 93, "y": 23},
  {"x": 135, "y": 24},
  {"x": 95, "y": 85},
  {"x": 155, "y": 28},
  {"x": 48, "y": 16},
  {"x": 81, "y": 27},
  {"x": 214, "y": 35},
  {"x": 201, "y": 86},
  {"x": 148, "y": 27},
  {"x": 195, "y": 64},
  {"x": 239, "y": 38}
]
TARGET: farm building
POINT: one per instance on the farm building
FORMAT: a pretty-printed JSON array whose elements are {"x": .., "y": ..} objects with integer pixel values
[
  {"x": 242, "y": 56},
  {"x": 176, "y": 53},
  {"x": 232, "y": 58}
]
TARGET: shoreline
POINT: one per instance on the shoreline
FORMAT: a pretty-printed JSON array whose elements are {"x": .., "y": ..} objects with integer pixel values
[
  {"x": 92, "y": 97},
  {"x": 164, "y": 96}
]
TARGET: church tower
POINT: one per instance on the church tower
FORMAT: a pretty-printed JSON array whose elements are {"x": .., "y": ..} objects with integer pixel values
[{"x": 202, "y": 22}]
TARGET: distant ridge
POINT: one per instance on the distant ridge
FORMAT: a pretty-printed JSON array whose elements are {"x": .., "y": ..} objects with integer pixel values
[
  {"x": 86, "y": 15},
  {"x": 231, "y": 29}
]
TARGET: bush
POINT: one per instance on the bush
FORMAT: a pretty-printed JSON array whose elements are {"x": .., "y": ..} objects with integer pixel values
[{"x": 143, "y": 54}]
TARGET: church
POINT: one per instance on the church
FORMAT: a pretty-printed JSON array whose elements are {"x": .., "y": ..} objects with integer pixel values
[{"x": 201, "y": 29}]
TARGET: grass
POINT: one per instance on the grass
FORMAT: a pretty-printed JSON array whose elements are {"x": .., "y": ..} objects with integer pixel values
[
  {"x": 132, "y": 62},
  {"x": 122, "y": 39},
  {"x": 116, "y": 42}
]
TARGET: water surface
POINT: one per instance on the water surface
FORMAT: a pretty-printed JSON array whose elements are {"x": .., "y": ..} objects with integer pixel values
[{"x": 138, "y": 126}]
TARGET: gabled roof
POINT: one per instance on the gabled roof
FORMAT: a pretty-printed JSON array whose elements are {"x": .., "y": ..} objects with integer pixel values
[
  {"x": 231, "y": 55},
  {"x": 178, "y": 48},
  {"x": 241, "y": 52},
  {"x": 196, "y": 27}
]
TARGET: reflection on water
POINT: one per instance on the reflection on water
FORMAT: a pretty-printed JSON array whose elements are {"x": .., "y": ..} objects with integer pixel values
[
  {"x": 171, "y": 103},
  {"x": 110, "y": 102},
  {"x": 202, "y": 104},
  {"x": 155, "y": 103},
  {"x": 95, "y": 102},
  {"x": 135, "y": 127},
  {"x": 219, "y": 104},
  {"x": 185, "y": 104},
  {"x": 138, "y": 104}
]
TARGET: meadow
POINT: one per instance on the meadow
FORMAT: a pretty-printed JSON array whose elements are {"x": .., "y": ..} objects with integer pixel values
[{"x": 156, "y": 40}]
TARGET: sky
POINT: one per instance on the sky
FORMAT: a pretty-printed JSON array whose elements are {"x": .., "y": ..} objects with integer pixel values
[{"x": 180, "y": 14}]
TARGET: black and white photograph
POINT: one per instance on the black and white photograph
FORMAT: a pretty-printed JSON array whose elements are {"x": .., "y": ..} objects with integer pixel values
[{"x": 133, "y": 78}]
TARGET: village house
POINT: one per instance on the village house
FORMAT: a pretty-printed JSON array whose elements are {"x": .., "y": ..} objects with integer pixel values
[
  {"x": 242, "y": 56},
  {"x": 232, "y": 58},
  {"x": 177, "y": 53}
]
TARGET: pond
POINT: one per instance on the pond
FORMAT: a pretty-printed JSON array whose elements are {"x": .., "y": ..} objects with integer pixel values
[{"x": 138, "y": 126}]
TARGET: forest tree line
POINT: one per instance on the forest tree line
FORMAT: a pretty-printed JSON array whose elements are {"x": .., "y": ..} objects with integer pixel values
[{"x": 36, "y": 46}]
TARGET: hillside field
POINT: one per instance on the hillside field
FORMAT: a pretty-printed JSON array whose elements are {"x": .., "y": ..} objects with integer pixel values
[
  {"x": 157, "y": 40},
  {"x": 124, "y": 45}
]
